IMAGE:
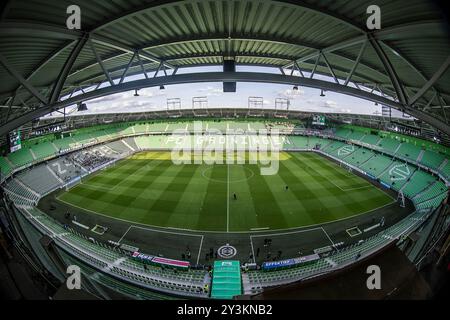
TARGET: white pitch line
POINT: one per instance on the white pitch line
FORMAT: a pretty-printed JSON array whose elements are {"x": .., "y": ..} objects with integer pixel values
[
  {"x": 326, "y": 233},
  {"x": 124, "y": 234},
  {"x": 283, "y": 233},
  {"x": 228, "y": 198},
  {"x": 259, "y": 229},
  {"x": 253, "y": 250},
  {"x": 199, "y": 250}
]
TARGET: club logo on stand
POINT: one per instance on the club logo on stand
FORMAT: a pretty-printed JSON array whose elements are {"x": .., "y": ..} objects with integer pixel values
[{"x": 226, "y": 251}]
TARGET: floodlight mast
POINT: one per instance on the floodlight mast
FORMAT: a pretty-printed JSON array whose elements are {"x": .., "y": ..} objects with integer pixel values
[
  {"x": 255, "y": 103},
  {"x": 282, "y": 104},
  {"x": 174, "y": 104},
  {"x": 200, "y": 104}
]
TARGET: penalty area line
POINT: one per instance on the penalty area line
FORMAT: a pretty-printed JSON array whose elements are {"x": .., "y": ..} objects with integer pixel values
[
  {"x": 200, "y": 249},
  {"x": 123, "y": 236},
  {"x": 328, "y": 236}
]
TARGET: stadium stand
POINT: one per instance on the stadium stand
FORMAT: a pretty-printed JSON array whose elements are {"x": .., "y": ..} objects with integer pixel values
[
  {"x": 397, "y": 174},
  {"x": 343, "y": 132},
  {"x": 43, "y": 150},
  {"x": 435, "y": 189},
  {"x": 185, "y": 283},
  {"x": 65, "y": 169},
  {"x": 432, "y": 159},
  {"x": 255, "y": 281},
  {"x": 39, "y": 179},
  {"x": 359, "y": 157},
  {"x": 119, "y": 146},
  {"x": 408, "y": 151},
  {"x": 445, "y": 169},
  {"x": 299, "y": 142},
  {"x": 64, "y": 143},
  {"x": 21, "y": 157},
  {"x": 5, "y": 166},
  {"x": 388, "y": 145},
  {"x": 356, "y": 135},
  {"x": 25, "y": 190},
  {"x": 370, "y": 139},
  {"x": 418, "y": 182},
  {"x": 130, "y": 143},
  {"x": 19, "y": 192},
  {"x": 377, "y": 165}
]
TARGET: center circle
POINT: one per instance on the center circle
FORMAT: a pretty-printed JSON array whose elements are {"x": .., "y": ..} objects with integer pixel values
[{"x": 227, "y": 179}]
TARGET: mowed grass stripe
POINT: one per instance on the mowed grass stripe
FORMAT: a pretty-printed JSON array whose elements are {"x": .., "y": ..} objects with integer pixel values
[
  {"x": 213, "y": 215},
  {"x": 123, "y": 204},
  {"x": 242, "y": 211},
  {"x": 315, "y": 203},
  {"x": 169, "y": 197},
  {"x": 190, "y": 201},
  {"x": 148, "y": 188},
  {"x": 292, "y": 202},
  {"x": 333, "y": 173},
  {"x": 268, "y": 212},
  {"x": 340, "y": 203},
  {"x": 356, "y": 200}
]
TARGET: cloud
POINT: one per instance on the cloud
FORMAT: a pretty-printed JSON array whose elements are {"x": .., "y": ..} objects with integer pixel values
[
  {"x": 291, "y": 94},
  {"x": 331, "y": 104},
  {"x": 210, "y": 91}
]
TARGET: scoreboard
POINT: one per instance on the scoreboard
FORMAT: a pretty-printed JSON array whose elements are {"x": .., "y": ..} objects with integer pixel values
[
  {"x": 318, "y": 120},
  {"x": 15, "y": 141}
]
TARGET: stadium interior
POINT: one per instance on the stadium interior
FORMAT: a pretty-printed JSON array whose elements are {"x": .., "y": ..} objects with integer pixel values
[{"x": 180, "y": 201}]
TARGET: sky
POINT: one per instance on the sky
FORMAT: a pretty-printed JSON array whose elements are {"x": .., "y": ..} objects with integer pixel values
[{"x": 304, "y": 99}]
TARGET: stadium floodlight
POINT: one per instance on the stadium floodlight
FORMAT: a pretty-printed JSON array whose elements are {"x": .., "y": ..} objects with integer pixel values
[
  {"x": 81, "y": 107},
  {"x": 200, "y": 104},
  {"x": 282, "y": 104},
  {"x": 255, "y": 106},
  {"x": 174, "y": 107}
]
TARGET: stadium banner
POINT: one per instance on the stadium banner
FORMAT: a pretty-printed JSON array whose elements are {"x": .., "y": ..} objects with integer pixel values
[
  {"x": 275, "y": 265},
  {"x": 142, "y": 257},
  {"x": 289, "y": 263},
  {"x": 171, "y": 263},
  {"x": 385, "y": 185},
  {"x": 370, "y": 176},
  {"x": 306, "y": 259}
]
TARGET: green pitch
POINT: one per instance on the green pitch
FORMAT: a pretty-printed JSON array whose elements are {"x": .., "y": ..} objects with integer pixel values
[{"x": 149, "y": 189}]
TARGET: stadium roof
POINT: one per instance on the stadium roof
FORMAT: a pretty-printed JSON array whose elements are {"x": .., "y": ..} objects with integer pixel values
[{"x": 402, "y": 65}]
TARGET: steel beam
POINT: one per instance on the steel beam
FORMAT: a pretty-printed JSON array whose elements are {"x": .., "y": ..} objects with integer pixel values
[
  {"x": 437, "y": 75},
  {"x": 100, "y": 62},
  {"x": 27, "y": 85},
  {"x": 142, "y": 65},
  {"x": 127, "y": 67},
  {"x": 330, "y": 68},
  {"x": 62, "y": 77},
  {"x": 224, "y": 77},
  {"x": 355, "y": 65},
  {"x": 315, "y": 65},
  {"x": 398, "y": 87}
]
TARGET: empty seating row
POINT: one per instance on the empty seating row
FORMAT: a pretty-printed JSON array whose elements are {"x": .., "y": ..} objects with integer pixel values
[
  {"x": 359, "y": 157},
  {"x": 418, "y": 182},
  {"x": 255, "y": 281},
  {"x": 409, "y": 151},
  {"x": 39, "y": 179},
  {"x": 433, "y": 191}
]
